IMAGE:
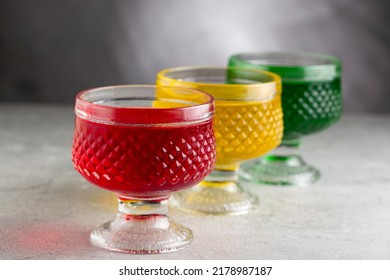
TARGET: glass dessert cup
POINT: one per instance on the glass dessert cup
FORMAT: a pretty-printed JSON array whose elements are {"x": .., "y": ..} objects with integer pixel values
[
  {"x": 248, "y": 123},
  {"x": 311, "y": 101},
  {"x": 130, "y": 141}
]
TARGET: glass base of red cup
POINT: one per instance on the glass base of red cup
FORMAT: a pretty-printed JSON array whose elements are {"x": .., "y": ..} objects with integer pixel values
[
  {"x": 219, "y": 194},
  {"x": 142, "y": 227}
]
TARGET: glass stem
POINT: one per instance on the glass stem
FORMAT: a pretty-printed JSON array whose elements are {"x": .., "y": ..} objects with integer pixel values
[
  {"x": 144, "y": 208},
  {"x": 294, "y": 142},
  {"x": 219, "y": 175},
  {"x": 287, "y": 153},
  {"x": 288, "y": 148}
]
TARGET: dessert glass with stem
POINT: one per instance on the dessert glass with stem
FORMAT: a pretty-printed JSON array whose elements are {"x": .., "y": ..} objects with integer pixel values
[
  {"x": 132, "y": 141},
  {"x": 311, "y": 101},
  {"x": 248, "y": 123}
]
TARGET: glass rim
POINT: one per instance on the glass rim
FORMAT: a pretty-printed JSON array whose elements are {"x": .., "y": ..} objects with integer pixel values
[
  {"x": 253, "y": 91},
  {"x": 143, "y": 115},
  {"x": 324, "y": 67}
]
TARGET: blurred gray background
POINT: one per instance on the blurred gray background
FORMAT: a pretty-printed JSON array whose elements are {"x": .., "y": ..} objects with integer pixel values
[{"x": 50, "y": 50}]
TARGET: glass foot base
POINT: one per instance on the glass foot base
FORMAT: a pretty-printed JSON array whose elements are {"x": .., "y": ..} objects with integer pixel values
[
  {"x": 280, "y": 170},
  {"x": 228, "y": 199},
  {"x": 152, "y": 234}
]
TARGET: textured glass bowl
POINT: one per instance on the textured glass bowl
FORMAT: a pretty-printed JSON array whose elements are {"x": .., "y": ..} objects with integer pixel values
[
  {"x": 248, "y": 123},
  {"x": 311, "y": 101},
  {"x": 143, "y": 143}
]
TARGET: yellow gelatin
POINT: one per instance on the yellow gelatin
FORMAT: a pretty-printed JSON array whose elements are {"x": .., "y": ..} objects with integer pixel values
[{"x": 246, "y": 130}]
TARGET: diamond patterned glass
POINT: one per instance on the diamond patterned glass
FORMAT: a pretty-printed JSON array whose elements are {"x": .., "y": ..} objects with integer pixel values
[
  {"x": 311, "y": 101},
  {"x": 142, "y": 147},
  {"x": 248, "y": 123}
]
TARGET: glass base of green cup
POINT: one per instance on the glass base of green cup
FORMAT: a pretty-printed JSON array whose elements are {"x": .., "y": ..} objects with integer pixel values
[
  {"x": 279, "y": 170},
  {"x": 219, "y": 194}
]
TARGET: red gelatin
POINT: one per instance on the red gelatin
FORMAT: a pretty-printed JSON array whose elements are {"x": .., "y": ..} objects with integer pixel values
[{"x": 143, "y": 162}]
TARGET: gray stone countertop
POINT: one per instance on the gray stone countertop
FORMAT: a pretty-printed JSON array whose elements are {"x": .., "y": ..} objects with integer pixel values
[{"x": 47, "y": 209}]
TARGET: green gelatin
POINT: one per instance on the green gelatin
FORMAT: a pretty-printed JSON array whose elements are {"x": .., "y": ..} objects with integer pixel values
[
  {"x": 309, "y": 107},
  {"x": 311, "y": 89}
]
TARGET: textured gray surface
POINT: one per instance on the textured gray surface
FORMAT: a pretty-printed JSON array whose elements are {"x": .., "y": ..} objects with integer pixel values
[{"x": 47, "y": 209}]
